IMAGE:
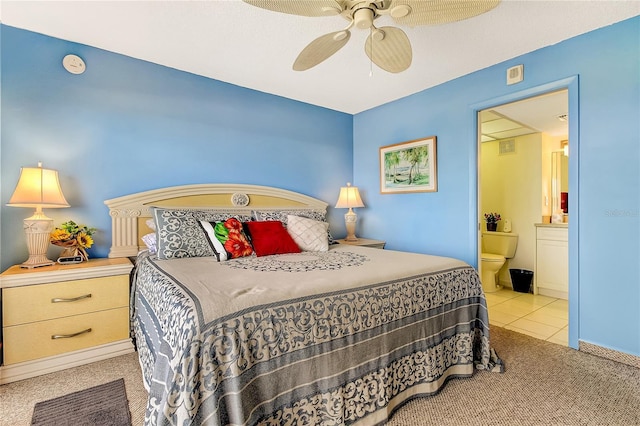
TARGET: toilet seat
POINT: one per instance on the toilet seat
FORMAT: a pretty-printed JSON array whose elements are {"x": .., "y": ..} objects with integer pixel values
[{"x": 490, "y": 257}]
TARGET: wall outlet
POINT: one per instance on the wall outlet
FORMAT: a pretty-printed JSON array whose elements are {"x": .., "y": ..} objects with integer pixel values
[{"x": 507, "y": 226}]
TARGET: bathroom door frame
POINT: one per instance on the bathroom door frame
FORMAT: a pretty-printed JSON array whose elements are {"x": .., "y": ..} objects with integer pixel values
[{"x": 571, "y": 84}]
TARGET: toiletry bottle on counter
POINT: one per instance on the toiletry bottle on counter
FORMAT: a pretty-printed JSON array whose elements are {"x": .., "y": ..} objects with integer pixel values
[{"x": 557, "y": 217}]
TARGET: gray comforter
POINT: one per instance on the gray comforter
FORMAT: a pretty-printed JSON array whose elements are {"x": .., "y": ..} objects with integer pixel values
[{"x": 333, "y": 338}]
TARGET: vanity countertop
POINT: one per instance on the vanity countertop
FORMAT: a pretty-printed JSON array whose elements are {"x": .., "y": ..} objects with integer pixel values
[{"x": 552, "y": 225}]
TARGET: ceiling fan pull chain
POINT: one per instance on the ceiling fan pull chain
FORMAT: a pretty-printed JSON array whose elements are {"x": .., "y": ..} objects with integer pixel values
[{"x": 371, "y": 49}]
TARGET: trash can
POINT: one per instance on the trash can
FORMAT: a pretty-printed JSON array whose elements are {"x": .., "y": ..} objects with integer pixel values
[{"x": 521, "y": 280}]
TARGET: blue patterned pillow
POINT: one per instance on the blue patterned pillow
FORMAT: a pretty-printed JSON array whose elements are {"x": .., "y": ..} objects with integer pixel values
[
  {"x": 281, "y": 215},
  {"x": 180, "y": 235}
]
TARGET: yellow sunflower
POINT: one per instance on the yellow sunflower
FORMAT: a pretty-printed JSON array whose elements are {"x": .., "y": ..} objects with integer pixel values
[
  {"x": 84, "y": 240},
  {"x": 60, "y": 235}
]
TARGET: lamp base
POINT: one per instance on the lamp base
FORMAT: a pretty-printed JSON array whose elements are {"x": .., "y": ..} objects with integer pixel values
[
  {"x": 37, "y": 229},
  {"x": 36, "y": 261},
  {"x": 350, "y": 219}
]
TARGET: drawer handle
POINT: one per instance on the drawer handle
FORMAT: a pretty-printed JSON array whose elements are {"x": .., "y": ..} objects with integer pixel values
[
  {"x": 73, "y": 299},
  {"x": 68, "y": 336}
]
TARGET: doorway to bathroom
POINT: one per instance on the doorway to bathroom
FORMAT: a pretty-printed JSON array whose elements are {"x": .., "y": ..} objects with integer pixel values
[{"x": 523, "y": 180}]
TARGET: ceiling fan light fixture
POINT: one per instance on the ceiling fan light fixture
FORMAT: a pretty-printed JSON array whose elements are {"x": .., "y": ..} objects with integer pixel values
[
  {"x": 388, "y": 47},
  {"x": 363, "y": 18}
]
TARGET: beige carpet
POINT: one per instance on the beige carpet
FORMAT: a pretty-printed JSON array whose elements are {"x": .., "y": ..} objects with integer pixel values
[
  {"x": 18, "y": 399},
  {"x": 544, "y": 384}
]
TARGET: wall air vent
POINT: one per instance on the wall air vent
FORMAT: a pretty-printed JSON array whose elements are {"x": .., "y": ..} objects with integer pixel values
[
  {"x": 507, "y": 146},
  {"x": 515, "y": 74}
]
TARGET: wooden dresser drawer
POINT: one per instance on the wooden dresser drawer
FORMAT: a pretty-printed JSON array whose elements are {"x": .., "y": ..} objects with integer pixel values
[
  {"x": 62, "y": 299},
  {"x": 32, "y": 341}
]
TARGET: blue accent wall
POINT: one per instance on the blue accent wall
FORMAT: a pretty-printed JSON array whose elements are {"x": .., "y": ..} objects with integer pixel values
[
  {"x": 602, "y": 71},
  {"x": 127, "y": 125}
]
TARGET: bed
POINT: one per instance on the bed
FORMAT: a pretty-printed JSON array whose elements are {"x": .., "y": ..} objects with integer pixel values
[{"x": 337, "y": 335}]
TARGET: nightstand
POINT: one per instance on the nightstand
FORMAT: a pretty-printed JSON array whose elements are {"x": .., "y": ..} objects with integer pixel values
[
  {"x": 364, "y": 242},
  {"x": 61, "y": 316}
]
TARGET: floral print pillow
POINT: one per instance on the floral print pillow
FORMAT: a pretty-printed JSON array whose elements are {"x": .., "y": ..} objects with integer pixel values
[{"x": 227, "y": 239}]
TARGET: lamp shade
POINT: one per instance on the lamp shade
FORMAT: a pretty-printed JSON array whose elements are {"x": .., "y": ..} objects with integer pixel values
[
  {"x": 349, "y": 197},
  {"x": 38, "y": 187}
]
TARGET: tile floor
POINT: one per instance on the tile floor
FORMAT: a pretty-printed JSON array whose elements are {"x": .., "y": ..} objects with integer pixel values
[{"x": 538, "y": 316}]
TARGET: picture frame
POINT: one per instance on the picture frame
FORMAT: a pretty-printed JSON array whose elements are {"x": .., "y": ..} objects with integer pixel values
[{"x": 409, "y": 167}]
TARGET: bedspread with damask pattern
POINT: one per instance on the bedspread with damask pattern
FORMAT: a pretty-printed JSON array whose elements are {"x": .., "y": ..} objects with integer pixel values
[{"x": 333, "y": 338}]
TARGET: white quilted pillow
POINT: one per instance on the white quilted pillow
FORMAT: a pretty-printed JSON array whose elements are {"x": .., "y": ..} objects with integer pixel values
[{"x": 309, "y": 234}]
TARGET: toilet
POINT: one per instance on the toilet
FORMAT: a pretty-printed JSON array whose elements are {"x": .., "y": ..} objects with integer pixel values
[{"x": 497, "y": 247}]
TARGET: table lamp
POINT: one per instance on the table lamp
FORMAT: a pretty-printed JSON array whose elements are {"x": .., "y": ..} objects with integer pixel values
[
  {"x": 39, "y": 188},
  {"x": 350, "y": 198}
]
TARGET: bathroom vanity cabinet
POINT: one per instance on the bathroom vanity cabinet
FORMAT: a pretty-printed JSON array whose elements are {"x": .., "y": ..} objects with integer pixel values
[{"x": 551, "y": 277}]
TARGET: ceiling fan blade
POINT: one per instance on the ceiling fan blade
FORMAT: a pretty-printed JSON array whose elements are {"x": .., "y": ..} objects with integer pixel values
[
  {"x": 299, "y": 7},
  {"x": 320, "y": 49},
  {"x": 434, "y": 12},
  {"x": 389, "y": 48}
]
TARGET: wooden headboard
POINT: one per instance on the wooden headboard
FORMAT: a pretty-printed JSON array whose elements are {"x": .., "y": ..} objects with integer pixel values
[{"x": 130, "y": 212}]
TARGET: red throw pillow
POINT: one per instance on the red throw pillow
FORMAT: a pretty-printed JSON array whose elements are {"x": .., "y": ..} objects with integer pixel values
[{"x": 270, "y": 237}]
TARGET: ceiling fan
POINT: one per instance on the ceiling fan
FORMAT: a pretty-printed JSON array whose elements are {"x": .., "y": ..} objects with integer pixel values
[{"x": 388, "y": 47}]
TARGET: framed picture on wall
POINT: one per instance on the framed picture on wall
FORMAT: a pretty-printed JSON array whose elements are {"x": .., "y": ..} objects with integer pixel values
[{"x": 409, "y": 167}]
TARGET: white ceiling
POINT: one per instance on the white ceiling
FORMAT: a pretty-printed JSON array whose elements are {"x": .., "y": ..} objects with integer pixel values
[
  {"x": 231, "y": 41},
  {"x": 546, "y": 113}
]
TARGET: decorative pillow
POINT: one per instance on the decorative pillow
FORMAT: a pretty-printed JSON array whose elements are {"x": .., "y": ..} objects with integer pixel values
[
  {"x": 281, "y": 215},
  {"x": 221, "y": 215},
  {"x": 309, "y": 234},
  {"x": 227, "y": 239},
  {"x": 151, "y": 224},
  {"x": 270, "y": 237},
  {"x": 150, "y": 241},
  {"x": 179, "y": 233}
]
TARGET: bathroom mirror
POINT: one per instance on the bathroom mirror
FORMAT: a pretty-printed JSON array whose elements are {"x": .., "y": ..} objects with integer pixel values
[{"x": 559, "y": 181}]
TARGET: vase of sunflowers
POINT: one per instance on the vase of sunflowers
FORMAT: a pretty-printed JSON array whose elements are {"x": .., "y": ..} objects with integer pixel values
[{"x": 73, "y": 238}]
